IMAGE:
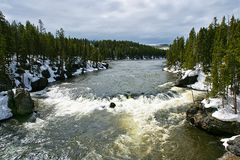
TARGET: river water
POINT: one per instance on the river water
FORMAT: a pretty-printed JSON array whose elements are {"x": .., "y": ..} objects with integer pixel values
[{"x": 75, "y": 120}]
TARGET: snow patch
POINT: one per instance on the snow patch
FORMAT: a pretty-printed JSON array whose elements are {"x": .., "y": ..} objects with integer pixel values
[
  {"x": 225, "y": 141},
  {"x": 198, "y": 70},
  {"x": 226, "y": 114},
  {"x": 212, "y": 102},
  {"x": 5, "y": 112}
]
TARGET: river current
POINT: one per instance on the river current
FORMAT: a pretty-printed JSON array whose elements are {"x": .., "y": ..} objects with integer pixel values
[{"x": 75, "y": 121}]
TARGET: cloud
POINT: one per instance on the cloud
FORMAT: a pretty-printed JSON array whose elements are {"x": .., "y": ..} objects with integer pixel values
[{"x": 146, "y": 21}]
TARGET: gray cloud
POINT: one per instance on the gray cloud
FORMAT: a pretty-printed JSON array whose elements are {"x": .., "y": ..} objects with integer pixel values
[{"x": 146, "y": 21}]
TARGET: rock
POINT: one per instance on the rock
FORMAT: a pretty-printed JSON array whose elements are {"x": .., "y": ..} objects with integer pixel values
[
  {"x": 69, "y": 74},
  {"x": 46, "y": 73},
  {"x": 5, "y": 83},
  {"x": 186, "y": 81},
  {"x": 74, "y": 67},
  {"x": 234, "y": 146},
  {"x": 59, "y": 78},
  {"x": 37, "y": 63},
  {"x": 106, "y": 65},
  {"x": 33, "y": 117},
  {"x": 112, "y": 105},
  {"x": 23, "y": 102},
  {"x": 11, "y": 102},
  {"x": 229, "y": 156},
  {"x": 39, "y": 84},
  {"x": 20, "y": 71},
  {"x": 202, "y": 118}
]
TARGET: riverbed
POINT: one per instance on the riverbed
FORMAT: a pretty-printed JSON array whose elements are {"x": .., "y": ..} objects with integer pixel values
[{"x": 75, "y": 121}]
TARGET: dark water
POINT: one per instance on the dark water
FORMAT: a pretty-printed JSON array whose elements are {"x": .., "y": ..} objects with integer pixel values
[{"x": 76, "y": 123}]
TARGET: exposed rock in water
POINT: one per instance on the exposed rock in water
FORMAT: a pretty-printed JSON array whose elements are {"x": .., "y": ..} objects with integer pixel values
[
  {"x": 23, "y": 103},
  {"x": 106, "y": 65},
  {"x": 5, "y": 83},
  {"x": 39, "y": 84},
  {"x": 46, "y": 73},
  {"x": 202, "y": 118},
  {"x": 229, "y": 156},
  {"x": 187, "y": 81},
  {"x": 112, "y": 105}
]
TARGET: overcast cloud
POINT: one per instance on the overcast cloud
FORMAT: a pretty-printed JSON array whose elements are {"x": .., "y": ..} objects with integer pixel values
[{"x": 145, "y": 21}]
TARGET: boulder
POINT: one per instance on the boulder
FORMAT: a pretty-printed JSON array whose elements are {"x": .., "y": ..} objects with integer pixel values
[
  {"x": 39, "y": 84},
  {"x": 234, "y": 146},
  {"x": 23, "y": 102},
  {"x": 112, "y": 105},
  {"x": 187, "y": 81},
  {"x": 203, "y": 119},
  {"x": 46, "y": 73},
  {"x": 5, "y": 83}
]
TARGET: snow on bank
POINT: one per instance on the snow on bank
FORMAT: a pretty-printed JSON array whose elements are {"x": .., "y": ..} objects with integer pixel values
[
  {"x": 201, "y": 83},
  {"x": 225, "y": 113},
  {"x": 212, "y": 102},
  {"x": 225, "y": 140},
  {"x": 26, "y": 77},
  {"x": 198, "y": 70},
  {"x": 5, "y": 112},
  {"x": 173, "y": 69}
]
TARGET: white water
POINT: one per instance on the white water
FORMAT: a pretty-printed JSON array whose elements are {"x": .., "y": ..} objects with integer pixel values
[{"x": 76, "y": 122}]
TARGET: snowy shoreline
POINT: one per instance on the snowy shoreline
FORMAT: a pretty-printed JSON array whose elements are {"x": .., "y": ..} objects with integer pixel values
[{"x": 27, "y": 78}]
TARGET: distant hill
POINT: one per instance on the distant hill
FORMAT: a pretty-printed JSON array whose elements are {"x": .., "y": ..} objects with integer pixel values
[{"x": 161, "y": 46}]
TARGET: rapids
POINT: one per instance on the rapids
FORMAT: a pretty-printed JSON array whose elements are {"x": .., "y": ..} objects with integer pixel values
[{"x": 76, "y": 122}]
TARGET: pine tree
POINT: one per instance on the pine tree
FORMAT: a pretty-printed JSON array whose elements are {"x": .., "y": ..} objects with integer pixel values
[{"x": 190, "y": 55}]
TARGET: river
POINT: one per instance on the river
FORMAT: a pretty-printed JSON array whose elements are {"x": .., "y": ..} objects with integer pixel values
[{"x": 75, "y": 121}]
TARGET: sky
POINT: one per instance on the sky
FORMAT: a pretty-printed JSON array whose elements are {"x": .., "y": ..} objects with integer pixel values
[{"x": 144, "y": 21}]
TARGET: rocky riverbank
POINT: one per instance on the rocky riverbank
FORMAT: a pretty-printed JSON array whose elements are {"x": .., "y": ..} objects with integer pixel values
[
  {"x": 16, "y": 103},
  {"x": 209, "y": 114},
  {"x": 35, "y": 77},
  {"x": 202, "y": 118}
]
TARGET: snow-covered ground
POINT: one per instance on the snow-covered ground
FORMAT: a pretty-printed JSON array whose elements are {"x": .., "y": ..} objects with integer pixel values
[
  {"x": 201, "y": 84},
  {"x": 36, "y": 71},
  {"x": 5, "y": 112},
  {"x": 225, "y": 113},
  {"x": 173, "y": 69}
]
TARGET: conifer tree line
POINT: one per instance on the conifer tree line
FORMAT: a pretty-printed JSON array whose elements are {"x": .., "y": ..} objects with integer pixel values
[
  {"x": 217, "y": 48},
  {"x": 28, "y": 40}
]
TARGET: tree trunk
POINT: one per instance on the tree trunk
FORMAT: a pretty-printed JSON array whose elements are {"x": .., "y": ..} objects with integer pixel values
[{"x": 235, "y": 101}]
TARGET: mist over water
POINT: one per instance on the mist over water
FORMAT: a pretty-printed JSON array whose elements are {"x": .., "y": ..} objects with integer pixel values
[{"x": 76, "y": 122}]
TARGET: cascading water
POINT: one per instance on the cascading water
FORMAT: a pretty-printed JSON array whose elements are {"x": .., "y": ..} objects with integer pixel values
[{"x": 76, "y": 122}]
